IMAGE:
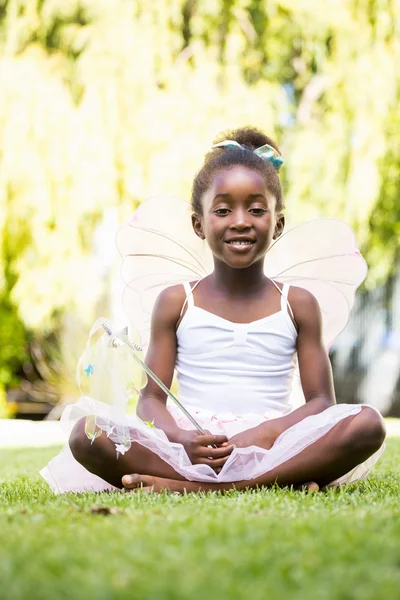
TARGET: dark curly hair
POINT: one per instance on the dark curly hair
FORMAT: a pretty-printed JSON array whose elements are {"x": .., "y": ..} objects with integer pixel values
[{"x": 228, "y": 157}]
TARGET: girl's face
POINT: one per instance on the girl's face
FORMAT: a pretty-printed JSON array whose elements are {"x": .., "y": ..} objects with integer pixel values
[{"x": 239, "y": 218}]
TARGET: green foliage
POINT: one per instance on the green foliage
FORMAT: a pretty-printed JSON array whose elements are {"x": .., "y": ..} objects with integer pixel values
[
  {"x": 107, "y": 102},
  {"x": 13, "y": 347},
  {"x": 382, "y": 249},
  {"x": 4, "y": 411},
  {"x": 13, "y": 333},
  {"x": 273, "y": 543}
]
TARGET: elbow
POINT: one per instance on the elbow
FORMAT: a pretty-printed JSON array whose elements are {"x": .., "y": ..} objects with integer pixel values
[
  {"x": 146, "y": 405},
  {"x": 323, "y": 401},
  {"x": 329, "y": 400},
  {"x": 140, "y": 408}
]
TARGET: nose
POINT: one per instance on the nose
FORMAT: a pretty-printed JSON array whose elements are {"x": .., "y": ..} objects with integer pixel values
[{"x": 240, "y": 220}]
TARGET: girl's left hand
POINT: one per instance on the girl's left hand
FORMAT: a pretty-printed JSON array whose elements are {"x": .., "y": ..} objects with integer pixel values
[{"x": 263, "y": 436}]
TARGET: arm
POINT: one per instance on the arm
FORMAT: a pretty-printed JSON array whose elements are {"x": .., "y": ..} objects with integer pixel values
[
  {"x": 161, "y": 358},
  {"x": 314, "y": 364},
  {"x": 315, "y": 372}
]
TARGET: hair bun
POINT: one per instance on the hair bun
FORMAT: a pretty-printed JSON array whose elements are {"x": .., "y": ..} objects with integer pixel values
[{"x": 249, "y": 137}]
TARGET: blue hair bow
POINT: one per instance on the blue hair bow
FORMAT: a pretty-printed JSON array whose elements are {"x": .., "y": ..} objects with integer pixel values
[{"x": 266, "y": 152}]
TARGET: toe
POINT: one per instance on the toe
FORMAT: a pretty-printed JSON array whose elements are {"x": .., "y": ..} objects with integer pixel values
[
  {"x": 134, "y": 481},
  {"x": 311, "y": 487}
]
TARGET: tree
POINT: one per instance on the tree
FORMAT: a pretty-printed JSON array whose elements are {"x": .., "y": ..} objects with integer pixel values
[{"x": 106, "y": 102}]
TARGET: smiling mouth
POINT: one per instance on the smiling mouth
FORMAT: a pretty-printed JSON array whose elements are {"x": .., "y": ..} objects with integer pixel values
[{"x": 240, "y": 243}]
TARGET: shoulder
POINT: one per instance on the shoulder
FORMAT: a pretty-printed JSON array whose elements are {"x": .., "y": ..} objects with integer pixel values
[
  {"x": 305, "y": 306},
  {"x": 169, "y": 304},
  {"x": 173, "y": 294}
]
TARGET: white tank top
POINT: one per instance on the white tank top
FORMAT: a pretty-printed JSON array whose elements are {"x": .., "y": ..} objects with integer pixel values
[{"x": 236, "y": 367}]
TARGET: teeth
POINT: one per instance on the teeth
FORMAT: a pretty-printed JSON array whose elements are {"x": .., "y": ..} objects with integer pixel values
[{"x": 244, "y": 243}]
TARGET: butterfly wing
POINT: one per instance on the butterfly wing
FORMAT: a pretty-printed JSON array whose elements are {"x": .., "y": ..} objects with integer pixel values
[
  {"x": 158, "y": 249},
  {"x": 321, "y": 256}
]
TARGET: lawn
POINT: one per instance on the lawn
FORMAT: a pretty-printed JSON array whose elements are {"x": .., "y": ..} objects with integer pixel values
[{"x": 343, "y": 544}]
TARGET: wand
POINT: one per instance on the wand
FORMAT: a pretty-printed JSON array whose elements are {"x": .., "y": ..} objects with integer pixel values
[{"x": 117, "y": 341}]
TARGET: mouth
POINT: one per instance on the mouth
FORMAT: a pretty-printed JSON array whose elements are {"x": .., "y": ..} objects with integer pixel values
[{"x": 240, "y": 243}]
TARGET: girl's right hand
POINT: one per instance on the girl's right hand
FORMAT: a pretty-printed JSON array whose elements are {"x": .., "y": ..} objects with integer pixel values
[{"x": 199, "y": 448}]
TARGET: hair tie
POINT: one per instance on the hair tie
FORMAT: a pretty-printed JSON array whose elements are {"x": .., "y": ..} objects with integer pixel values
[{"x": 267, "y": 152}]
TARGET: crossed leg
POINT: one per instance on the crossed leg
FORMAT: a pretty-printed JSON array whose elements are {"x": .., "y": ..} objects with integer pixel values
[
  {"x": 347, "y": 444},
  {"x": 101, "y": 459}
]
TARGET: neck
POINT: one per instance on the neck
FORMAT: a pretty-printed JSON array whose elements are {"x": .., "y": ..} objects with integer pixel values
[{"x": 237, "y": 281}]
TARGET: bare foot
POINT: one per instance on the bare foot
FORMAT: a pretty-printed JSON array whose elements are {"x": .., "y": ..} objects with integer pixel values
[
  {"x": 149, "y": 483},
  {"x": 157, "y": 485}
]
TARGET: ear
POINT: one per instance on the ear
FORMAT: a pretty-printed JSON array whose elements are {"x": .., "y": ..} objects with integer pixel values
[
  {"x": 198, "y": 226},
  {"x": 279, "y": 226}
]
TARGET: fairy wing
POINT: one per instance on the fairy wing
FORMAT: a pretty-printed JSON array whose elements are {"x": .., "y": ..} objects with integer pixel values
[
  {"x": 321, "y": 256},
  {"x": 158, "y": 249}
]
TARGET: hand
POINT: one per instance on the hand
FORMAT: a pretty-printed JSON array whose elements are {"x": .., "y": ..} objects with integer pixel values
[
  {"x": 200, "y": 452},
  {"x": 263, "y": 436}
]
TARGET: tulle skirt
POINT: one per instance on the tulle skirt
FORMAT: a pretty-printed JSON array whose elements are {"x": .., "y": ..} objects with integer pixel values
[{"x": 65, "y": 474}]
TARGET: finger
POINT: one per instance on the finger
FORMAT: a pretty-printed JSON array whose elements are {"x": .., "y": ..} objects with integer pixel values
[
  {"x": 214, "y": 452},
  {"x": 210, "y": 440},
  {"x": 212, "y": 462}
]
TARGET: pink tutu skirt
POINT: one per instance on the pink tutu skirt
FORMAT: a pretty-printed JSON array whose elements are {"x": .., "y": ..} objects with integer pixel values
[{"x": 65, "y": 474}]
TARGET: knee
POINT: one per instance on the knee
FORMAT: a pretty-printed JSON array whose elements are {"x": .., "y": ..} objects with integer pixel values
[
  {"x": 367, "y": 432},
  {"x": 79, "y": 443}
]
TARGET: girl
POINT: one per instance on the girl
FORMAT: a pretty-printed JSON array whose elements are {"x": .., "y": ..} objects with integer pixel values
[{"x": 233, "y": 337}]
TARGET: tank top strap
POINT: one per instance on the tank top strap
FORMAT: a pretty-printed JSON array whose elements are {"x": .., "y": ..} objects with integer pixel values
[
  {"x": 285, "y": 305},
  {"x": 189, "y": 300}
]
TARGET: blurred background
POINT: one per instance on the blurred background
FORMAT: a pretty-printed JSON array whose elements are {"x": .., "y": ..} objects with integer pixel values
[{"x": 105, "y": 102}]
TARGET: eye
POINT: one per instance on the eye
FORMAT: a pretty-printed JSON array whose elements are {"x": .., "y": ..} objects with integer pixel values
[
  {"x": 221, "y": 211},
  {"x": 258, "y": 211}
]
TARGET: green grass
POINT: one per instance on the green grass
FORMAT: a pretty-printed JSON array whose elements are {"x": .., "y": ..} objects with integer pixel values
[{"x": 258, "y": 545}]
